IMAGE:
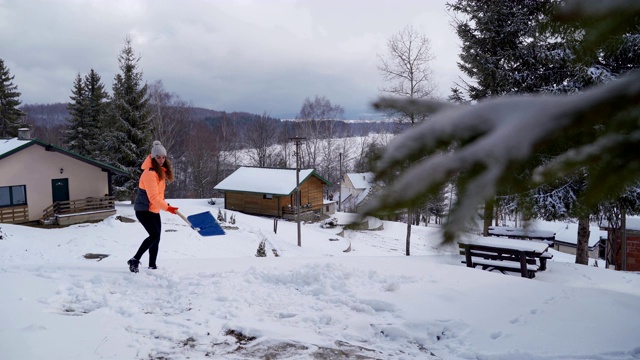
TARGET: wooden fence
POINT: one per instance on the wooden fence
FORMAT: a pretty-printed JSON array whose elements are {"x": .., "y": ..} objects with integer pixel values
[
  {"x": 14, "y": 214},
  {"x": 87, "y": 205}
]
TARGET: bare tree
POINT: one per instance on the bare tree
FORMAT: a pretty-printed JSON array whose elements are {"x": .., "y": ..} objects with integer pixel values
[
  {"x": 283, "y": 139},
  {"x": 170, "y": 116},
  {"x": 225, "y": 159},
  {"x": 317, "y": 121},
  {"x": 406, "y": 67},
  {"x": 170, "y": 119},
  {"x": 259, "y": 137},
  {"x": 201, "y": 152},
  {"x": 50, "y": 134},
  {"x": 329, "y": 166}
]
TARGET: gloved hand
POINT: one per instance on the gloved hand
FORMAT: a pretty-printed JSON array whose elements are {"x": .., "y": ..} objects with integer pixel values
[{"x": 172, "y": 209}]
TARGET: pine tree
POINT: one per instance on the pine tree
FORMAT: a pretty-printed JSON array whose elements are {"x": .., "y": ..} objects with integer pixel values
[
  {"x": 76, "y": 135},
  {"x": 508, "y": 46},
  {"x": 98, "y": 106},
  {"x": 617, "y": 56},
  {"x": 501, "y": 50},
  {"x": 10, "y": 116},
  {"x": 129, "y": 140},
  {"x": 88, "y": 110},
  {"x": 516, "y": 47}
]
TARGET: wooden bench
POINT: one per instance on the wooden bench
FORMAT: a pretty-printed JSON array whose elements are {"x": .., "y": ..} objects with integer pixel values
[
  {"x": 543, "y": 260},
  {"x": 504, "y": 266},
  {"x": 505, "y": 258}
]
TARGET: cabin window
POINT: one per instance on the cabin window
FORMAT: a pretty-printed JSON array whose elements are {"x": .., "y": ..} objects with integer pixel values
[
  {"x": 13, "y": 195},
  {"x": 267, "y": 196}
]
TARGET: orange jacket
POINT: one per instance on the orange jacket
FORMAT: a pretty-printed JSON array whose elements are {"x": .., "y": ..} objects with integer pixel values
[{"x": 153, "y": 188}]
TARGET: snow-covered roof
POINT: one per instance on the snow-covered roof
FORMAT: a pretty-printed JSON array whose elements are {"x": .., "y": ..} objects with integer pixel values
[
  {"x": 264, "y": 181},
  {"x": 362, "y": 195},
  {"x": 7, "y": 145},
  {"x": 567, "y": 232},
  {"x": 631, "y": 222},
  {"x": 362, "y": 180}
]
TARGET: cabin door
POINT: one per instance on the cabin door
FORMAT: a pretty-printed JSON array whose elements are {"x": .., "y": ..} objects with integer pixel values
[{"x": 60, "y": 189}]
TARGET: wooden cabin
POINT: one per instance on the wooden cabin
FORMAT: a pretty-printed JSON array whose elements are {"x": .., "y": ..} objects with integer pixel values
[{"x": 272, "y": 192}]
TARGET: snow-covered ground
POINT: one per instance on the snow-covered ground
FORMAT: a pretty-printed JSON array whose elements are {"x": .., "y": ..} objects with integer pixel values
[{"x": 212, "y": 298}]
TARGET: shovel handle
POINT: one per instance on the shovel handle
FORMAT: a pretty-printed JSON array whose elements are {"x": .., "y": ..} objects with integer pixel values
[{"x": 184, "y": 218}]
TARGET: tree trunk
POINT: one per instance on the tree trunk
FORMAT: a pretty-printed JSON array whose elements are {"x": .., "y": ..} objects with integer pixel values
[
  {"x": 488, "y": 216},
  {"x": 408, "y": 245},
  {"x": 582, "y": 249}
]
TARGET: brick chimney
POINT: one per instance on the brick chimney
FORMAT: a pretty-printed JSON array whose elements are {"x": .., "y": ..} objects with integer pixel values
[{"x": 24, "y": 134}]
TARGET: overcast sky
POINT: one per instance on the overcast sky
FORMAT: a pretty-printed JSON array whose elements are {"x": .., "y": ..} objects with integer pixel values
[{"x": 258, "y": 56}]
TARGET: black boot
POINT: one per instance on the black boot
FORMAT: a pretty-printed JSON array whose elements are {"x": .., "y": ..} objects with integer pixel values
[{"x": 133, "y": 265}]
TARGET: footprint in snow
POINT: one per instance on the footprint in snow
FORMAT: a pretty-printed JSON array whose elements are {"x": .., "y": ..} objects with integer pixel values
[
  {"x": 534, "y": 311},
  {"x": 516, "y": 320}
]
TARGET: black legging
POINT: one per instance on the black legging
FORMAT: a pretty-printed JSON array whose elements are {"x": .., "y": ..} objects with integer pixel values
[{"x": 151, "y": 223}]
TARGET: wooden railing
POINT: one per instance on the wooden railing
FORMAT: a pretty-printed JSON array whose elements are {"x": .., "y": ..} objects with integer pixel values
[
  {"x": 90, "y": 204},
  {"x": 291, "y": 210},
  {"x": 14, "y": 214}
]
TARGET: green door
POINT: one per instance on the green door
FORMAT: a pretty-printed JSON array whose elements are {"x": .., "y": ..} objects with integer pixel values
[{"x": 60, "y": 189}]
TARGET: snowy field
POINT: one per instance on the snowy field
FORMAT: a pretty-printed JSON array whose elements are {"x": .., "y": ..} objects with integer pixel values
[{"x": 212, "y": 298}]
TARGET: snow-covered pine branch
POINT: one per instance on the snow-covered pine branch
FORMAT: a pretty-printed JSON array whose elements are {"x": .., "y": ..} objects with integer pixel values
[{"x": 492, "y": 137}]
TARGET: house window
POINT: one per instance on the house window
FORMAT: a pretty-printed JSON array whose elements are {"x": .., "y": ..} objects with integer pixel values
[
  {"x": 267, "y": 196},
  {"x": 13, "y": 195}
]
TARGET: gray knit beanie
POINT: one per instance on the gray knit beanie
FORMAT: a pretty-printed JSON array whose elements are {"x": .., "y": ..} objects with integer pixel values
[{"x": 158, "y": 149}]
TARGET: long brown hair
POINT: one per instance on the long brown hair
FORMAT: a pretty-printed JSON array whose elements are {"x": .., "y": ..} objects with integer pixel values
[{"x": 168, "y": 171}]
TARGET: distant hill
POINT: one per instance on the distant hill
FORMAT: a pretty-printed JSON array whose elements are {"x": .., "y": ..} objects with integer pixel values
[
  {"x": 54, "y": 115},
  {"x": 46, "y": 115},
  {"x": 49, "y": 115}
]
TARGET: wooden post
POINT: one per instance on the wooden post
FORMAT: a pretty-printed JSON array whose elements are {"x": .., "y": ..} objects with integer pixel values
[
  {"x": 467, "y": 255},
  {"x": 523, "y": 265},
  {"x": 298, "y": 141},
  {"x": 340, "y": 186},
  {"x": 623, "y": 249}
]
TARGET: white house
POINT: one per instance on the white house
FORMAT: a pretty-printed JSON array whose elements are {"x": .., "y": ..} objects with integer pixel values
[
  {"x": 37, "y": 178},
  {"x": 355, "y": 188}
]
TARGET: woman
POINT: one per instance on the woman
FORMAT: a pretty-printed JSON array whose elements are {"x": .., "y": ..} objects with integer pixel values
[{"x": 156, "y": 169}]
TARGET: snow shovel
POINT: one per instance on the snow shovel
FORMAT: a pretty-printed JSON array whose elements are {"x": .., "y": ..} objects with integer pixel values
[{"x": 204, "y": 223}]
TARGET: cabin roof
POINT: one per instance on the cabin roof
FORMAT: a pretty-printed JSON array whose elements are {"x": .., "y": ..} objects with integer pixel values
[
  {"x": 11, "y": 146},
  {"x": 362, "y": 180},
  {"x": 266, "y": 180}
]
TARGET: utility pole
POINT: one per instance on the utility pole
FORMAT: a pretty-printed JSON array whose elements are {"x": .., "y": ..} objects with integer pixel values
[
  {"x": 340, "y": 186},
  {"x": 623, "y": 249},
  {"x": 298, "y": 142}
]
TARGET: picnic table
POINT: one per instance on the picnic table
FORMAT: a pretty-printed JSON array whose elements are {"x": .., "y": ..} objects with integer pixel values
[
  {"x": 524, "y": 256},
  {"x": 522, "y": 233}
]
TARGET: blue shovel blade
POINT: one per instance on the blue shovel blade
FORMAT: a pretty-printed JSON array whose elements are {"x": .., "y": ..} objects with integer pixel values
[{"x": 206, "y": 224}]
